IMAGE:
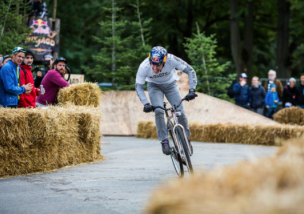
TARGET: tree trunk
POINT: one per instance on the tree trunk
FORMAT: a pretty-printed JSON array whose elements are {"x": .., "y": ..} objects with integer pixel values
[
  {"x": 248, "y": 39},
  {"x": 235, "y": 36},
  {"x": 282, "y": 53}
]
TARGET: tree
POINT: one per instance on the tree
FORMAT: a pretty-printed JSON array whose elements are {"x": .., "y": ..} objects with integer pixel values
[
  {"x": 123, "y": 48},
  {"x": 13, "y": 32},
  {"x": 201, "y": 52},
  {"x": 282, "y": 53},
  {"x": 113, "y": 55},
  {"x": 235, "y": 36},
  {"x": 248, "y": 38}
]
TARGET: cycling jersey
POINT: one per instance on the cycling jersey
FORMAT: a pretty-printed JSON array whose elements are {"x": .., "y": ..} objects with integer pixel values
[{"x": 167, "y": 75}]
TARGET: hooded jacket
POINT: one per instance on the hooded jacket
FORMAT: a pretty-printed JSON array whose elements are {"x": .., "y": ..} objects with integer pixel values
[
  {"x": 270, "y": 98},
  {"x": 257, "y": 97},
  {"x": 9, "y": 89},
  {"x": 27, "y": 100},
  {"x": 289, "y": 95}
]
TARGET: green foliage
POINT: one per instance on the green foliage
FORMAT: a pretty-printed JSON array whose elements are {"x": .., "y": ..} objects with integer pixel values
[
  {"x": 13, "y": 29},
  {"x": 173, "y": 21},
  {"x": 201, "y": 52},
  {"x": 122, "y": 50}
]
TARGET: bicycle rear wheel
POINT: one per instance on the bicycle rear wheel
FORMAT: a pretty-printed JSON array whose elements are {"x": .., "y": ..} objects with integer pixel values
[
  {"x": 180, "y": 134},
  {"x": 175, "y": 157}
]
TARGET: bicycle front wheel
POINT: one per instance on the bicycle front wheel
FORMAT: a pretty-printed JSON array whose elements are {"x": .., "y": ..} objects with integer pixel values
[
  {"x": 186, "y": 155},
  {"x": 175, "y": 156}
]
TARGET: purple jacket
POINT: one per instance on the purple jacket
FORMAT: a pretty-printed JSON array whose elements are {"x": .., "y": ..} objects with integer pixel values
[{"x": 51, "y": 84}]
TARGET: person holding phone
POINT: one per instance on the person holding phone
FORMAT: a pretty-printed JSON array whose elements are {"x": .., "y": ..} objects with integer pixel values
[{"x": 242, "y": 92}]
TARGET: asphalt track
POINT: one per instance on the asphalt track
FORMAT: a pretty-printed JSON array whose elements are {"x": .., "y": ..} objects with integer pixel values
[{"x": 121, "y": 184}]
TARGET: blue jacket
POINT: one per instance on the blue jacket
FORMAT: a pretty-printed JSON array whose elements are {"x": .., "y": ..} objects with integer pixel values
[
  {"x": 270, "y": 98},
  {"x": 9, "y": 85},
  {"x": 242, "y": 94}
]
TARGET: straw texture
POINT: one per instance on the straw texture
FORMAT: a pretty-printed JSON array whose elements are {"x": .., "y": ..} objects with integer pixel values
[
  {"x": 84, "y": 94},
  {"x": 293, "y": 116},
  {"x": 266, "y": 186},
  {"x": 40, "y": 140},
  {"x": 230, "y": 133}
]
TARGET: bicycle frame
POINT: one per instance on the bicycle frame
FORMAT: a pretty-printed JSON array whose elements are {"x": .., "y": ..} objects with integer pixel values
[{"x": 177, "y": 124}]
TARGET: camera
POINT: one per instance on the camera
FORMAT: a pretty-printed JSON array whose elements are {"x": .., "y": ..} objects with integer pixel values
[{"x": 45, "y": 63}]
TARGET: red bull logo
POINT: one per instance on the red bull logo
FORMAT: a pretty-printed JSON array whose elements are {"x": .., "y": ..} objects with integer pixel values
[
  {"x": 155, "y": 59},
  {"x": 40, "y": 26}
]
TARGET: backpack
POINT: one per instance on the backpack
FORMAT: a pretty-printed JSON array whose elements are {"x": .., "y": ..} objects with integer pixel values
[{"x": 230, "y": 91}]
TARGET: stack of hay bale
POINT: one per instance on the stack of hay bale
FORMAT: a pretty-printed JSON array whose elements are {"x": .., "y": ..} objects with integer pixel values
[
  {"x": 265, "y": 186},
  {"x": 293, "y": 116},
  {"x": 85, "y": 94},
  {"x": 40, "y": 140},
  {"x": 230, "y": 133}
]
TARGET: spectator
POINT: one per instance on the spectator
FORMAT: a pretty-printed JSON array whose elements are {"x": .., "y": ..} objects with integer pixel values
[
  {"x": 300, "y": 93},
  {"x": 40, "y": 74},
  {"x": 289, "y": 93},
  {"x": 26, "y": 76},
  {"x": 52, "y": 81},
  {"x": 272, "y": 80},
  {"x": 10, "y": 88},
  {"x": 6, "y": 58},
  {"x": 242, "y": 93},
  {"x": 271, "y": 101},
  {"x": 1, "y": 61},
  {"x": 40, "y": 9},
  {"x": 257, "y": 96}
]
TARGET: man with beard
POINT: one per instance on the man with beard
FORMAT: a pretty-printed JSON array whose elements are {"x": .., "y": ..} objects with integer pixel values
[
  {"x": 51, "y": 82},
  {"x": 10, "y": 86},
  {"x": 26, "y": 76}
]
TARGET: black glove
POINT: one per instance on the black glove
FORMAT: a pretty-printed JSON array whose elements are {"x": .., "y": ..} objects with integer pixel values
[
  {"x": 148, "y": 108},
  {"x": 191, "y": 95}
]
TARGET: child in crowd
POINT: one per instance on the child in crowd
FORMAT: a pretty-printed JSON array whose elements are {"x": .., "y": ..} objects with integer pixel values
[{"x": 271, "y": 101}]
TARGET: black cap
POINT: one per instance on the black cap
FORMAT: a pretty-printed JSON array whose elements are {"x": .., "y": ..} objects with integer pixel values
[
  {"x": 60, "y": 59},
  {"x": 6, "y": 56},
  {"x": 29, "y": 52}
]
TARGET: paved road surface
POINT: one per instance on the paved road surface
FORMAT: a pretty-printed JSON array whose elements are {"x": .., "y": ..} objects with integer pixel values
[{"x": 120, "y": 184}]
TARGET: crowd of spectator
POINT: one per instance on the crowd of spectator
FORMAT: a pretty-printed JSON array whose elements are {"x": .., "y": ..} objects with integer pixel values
[
  {"x": 17, "y": 86},
  {"x": 265, "y": 100}
]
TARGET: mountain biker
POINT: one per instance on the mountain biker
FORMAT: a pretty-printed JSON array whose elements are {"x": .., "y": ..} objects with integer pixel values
[{"x": 159, "y": 71}]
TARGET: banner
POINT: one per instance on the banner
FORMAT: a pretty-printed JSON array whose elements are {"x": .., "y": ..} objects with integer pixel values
[
  {"x": 75, "y": 78},
  {"x": 42, "y": 39}
]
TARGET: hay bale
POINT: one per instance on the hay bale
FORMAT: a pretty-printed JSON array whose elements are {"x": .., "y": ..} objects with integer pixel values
[
  {"x": 266, "y": 186},
  {"x": 146, "y": 129},
  {"x": 230, "y": 133},
  {"x": 83, "y": 94},
  {"x": 292, "y": 116},
  {"x": 48, "y": 139}
]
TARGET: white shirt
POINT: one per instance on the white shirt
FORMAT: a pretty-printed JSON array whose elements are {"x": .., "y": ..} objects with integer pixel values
[{"x": 167, "y": 75}]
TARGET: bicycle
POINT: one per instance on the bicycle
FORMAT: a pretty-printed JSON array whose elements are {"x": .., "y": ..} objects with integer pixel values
[{"x": 181, "y": 150}]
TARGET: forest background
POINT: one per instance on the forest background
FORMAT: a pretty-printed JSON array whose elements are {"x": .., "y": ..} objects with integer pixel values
[{"x": 254, "y": 36}]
